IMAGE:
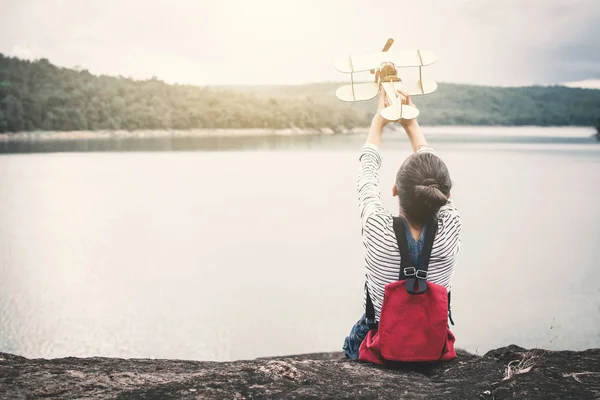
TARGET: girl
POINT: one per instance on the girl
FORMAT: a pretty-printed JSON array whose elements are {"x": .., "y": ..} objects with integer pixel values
[{"x": 423, "y": 188}]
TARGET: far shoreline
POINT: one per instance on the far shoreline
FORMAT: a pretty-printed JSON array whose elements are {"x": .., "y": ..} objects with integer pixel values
[
  {"x": 166, "y": 133},
  {"x": 207, "y": 133}
]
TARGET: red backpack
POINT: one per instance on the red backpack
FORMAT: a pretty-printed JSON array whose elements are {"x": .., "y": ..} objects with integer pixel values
[{"x": 413, "y": 325}]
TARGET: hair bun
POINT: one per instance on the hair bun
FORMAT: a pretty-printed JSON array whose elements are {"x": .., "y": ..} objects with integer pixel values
[
  {"x": 430, "y": 182},
  {"x": 431, "y": 195}
]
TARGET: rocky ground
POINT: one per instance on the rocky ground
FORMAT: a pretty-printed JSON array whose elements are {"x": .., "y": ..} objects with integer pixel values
[{"x": 542, "y": 375}]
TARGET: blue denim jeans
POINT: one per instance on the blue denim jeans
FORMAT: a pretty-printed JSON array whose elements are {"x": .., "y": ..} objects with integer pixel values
[{"x": 357, "y": 335}]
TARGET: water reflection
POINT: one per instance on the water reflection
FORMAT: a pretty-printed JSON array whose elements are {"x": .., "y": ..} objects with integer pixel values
[{"x": 451, "y": 135}]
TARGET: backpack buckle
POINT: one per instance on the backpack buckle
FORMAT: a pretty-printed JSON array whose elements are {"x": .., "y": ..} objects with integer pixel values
[
  {"x": 410, "y": 271},
  {"x": 421, "y": 274}
]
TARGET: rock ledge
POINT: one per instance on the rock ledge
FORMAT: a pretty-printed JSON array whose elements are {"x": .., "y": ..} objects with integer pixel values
[{"x": 554, "y": 374}]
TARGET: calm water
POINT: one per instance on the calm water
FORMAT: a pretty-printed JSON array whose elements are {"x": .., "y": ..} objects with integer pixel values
[{"x": 255, "y": 250}]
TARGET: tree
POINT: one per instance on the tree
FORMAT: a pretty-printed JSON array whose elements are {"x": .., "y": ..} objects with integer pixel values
[
  {"x": 3, "y": 122},
  {"x": 13, "y": 111},
  {"x": 36, "y": 95}
]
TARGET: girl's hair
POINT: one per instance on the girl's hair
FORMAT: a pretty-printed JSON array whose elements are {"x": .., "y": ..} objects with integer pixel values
[{"x": 423, "y": 185}]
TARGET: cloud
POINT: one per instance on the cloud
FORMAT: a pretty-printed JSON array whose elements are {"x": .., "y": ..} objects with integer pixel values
[
  {"x": 585, "y": 84},
  {"x": 23, "y": 52},
  {"x": 294, "y": 41}
]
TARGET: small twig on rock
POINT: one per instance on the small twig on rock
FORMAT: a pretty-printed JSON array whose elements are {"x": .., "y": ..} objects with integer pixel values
[
  {"x": 529, "y": 360},
  {"x": 575, "y": 375}
]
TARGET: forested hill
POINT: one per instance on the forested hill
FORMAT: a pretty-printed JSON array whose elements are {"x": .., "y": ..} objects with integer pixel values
[{"x": 36, "y": 95}]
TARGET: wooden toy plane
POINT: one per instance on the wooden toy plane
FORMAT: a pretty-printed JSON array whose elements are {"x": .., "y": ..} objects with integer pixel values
[{"x": 384, "y": 65}]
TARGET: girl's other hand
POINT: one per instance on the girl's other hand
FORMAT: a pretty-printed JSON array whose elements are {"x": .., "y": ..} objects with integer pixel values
[{"x": 406, "y": 100}]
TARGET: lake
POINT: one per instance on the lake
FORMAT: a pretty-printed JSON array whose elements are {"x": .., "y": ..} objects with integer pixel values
[{"x": 252, "y": 247}]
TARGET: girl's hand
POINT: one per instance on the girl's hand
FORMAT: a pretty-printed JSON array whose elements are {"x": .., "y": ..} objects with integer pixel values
[
  {"x": 405, "y": 97},
  {"x": 383, "y": 103},
  {"x": 378, "y": 122}
]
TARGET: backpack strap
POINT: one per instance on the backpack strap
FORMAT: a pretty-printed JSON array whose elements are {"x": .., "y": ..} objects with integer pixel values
[
  {"x": 369, "y": 308},
  {"x": 405, "y": 259},
  {"x": 449, "y": 309},
  {"x": 415, "y": 276}
]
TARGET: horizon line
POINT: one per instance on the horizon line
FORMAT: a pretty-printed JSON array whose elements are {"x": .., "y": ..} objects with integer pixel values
[{"x": 589, "y": 84}]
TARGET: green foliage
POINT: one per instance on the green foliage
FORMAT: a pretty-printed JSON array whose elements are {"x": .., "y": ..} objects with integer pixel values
[{"x": 36, "y": 95}]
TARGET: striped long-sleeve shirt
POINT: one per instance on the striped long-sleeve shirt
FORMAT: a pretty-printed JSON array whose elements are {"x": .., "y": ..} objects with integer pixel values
[{"x": 382, "y": 257}]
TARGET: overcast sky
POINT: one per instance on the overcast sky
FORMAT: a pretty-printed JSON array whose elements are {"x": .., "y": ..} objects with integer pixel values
[{"x": 492, "y": 42}]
